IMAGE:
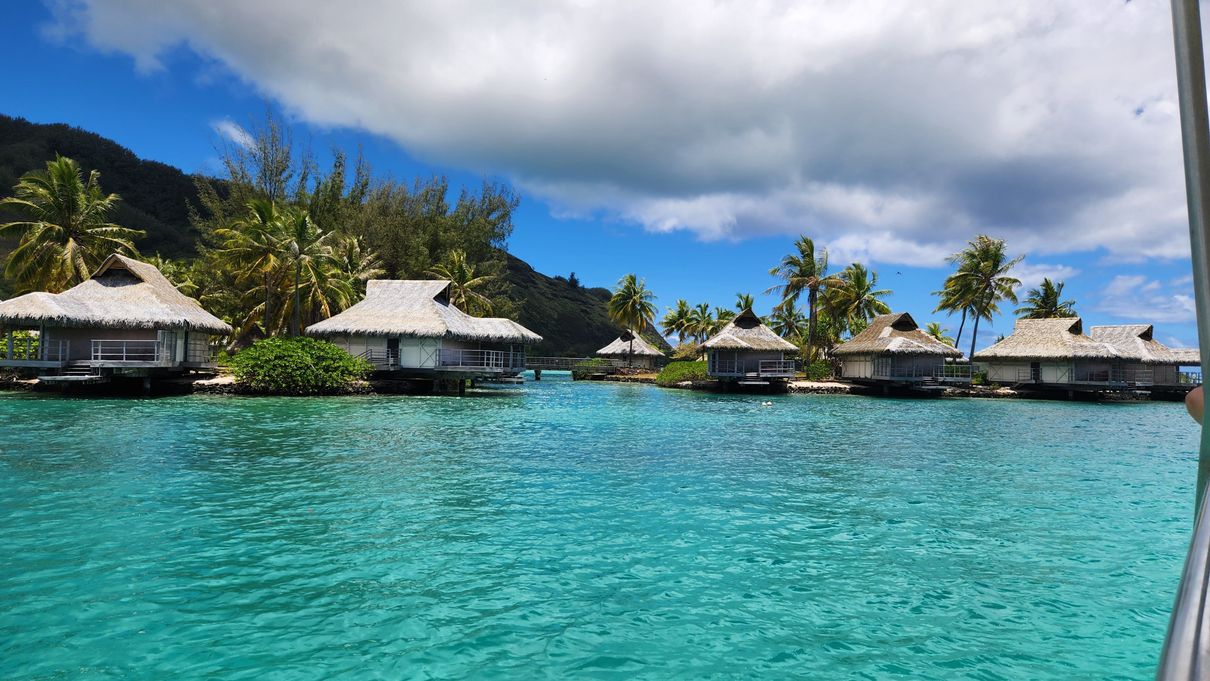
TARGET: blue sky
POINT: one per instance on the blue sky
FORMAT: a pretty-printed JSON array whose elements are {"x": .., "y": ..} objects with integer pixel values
[{"x": 692, "y": 166}]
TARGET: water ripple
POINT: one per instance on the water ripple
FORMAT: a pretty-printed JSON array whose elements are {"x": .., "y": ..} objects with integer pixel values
[{"x": 590, "y": 530}]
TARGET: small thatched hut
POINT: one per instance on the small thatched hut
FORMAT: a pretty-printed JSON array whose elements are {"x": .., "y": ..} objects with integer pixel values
[
  {"x": 634, "y": 348},
  {"x": 1146, "y": 361},
  {"x": 747, "y": 350},
  {"x": 1054, "y": 352},
  {"x": 411, "y": 328},
  {"x": 127, "y": 318},
  {"x": 893, "y": 349}
]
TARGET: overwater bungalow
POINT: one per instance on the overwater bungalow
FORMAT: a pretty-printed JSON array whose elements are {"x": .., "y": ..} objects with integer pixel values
[
  {"x": 1147, "y": 362},
  {"x": 409, "y": 329},
  {"x": 893, "y": 350},
  {"x": 634, "y": 349},
  {"x": 127, "y": 319},
  {"x": 749, "y": 353},
  {"x": 1056, "y": 354}
]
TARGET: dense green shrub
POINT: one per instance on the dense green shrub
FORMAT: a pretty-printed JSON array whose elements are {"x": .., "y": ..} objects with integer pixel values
[
  {"x": 678, "y": 372},
  {"x": 297, "y": 366},
  {"x": 818, "y": 370},
  {"x": 687, "y": 351}
]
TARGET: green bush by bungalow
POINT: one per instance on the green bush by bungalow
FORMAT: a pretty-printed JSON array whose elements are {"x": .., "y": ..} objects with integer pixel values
[
  {"x": 679, "y": 372},
  {"x": 297, "y": 366}
]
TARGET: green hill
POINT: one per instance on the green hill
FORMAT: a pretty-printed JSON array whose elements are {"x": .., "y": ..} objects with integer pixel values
[{"x": 156, "y": 198}]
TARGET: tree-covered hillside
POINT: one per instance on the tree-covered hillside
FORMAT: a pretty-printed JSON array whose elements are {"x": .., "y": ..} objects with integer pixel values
[
  {"x": 155, "y": 196},
  {"x": 166, "y": 203}
]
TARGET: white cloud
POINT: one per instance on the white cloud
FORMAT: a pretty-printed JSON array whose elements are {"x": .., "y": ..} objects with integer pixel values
[
  {"x": 1135, "y": 297},
  {"x": 233, "y": 132},
  {"x": 894, "y": 127},
  {"x": 1031, "y": 274}
]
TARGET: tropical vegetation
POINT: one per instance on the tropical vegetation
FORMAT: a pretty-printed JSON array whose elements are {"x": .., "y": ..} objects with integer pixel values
[
  {"x": 632, "y": 307},
  {"x": 981, "y": 281},
  {"x": 64, "y": 230},
  {"x": 804, "y": 271},
  {"x": 679, "y": 372},
  {"x": 297, "y": 366},
  {"x": 1046, "y": 302}
]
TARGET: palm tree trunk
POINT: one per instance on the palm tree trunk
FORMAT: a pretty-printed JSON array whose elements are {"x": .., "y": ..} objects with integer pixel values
[
  {"x": 268, "y": 296},
  {"x": 811, "y": 298},
  {"x": 630, "y": 353},
  {"x": 974, "y": 337},
  {"x": 297, "y": 298},
  {"x": 961, "y": 324}
]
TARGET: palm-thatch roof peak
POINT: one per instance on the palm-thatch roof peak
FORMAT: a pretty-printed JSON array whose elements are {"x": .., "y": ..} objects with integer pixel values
[
  {"x": 1137, "y": 342},
  {"x": 1054, "y": 338},
  {"x": 123, "y": 293},
  {"x": 620, "y": 347},
  {"x": 418, "y": 308},
  {"x": 747, "y": 332},
  {"x": 894, "y": 334}
]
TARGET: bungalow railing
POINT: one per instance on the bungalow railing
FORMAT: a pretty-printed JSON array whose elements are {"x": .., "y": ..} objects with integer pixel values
[
  {"x": 31, "y": 349},
  {"x": 774, "y": 368},
  {"x": 140, "y": 351},
  {"x": 381, "y": 357},
  {"x": 946, "y": 372},
  {"x": 449, "y": 358}
]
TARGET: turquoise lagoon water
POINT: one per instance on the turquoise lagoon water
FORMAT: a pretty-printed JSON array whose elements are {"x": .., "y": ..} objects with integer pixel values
[{"x": 588, "y": 531}]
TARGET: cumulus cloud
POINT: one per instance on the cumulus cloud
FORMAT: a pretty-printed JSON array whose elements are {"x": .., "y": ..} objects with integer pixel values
[
  {"x": 1032, "y": 274},
  {"x": 233, "y": 132},
  {"x": 1135, "y": 297},
  {"x": 891, "y": 128}
]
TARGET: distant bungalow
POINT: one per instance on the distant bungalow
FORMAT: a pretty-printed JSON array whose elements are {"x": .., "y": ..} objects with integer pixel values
[
  {"x": 749, "y": 353},
  {"x": 1055, "y": 353},
  {"x": 1148, "y": 362},
  {"x": 409, "y": 329},
  {"x": 644, "y": 355},
  {"x": 893, "y": 350},
  {"x": 127, "y": 319}
]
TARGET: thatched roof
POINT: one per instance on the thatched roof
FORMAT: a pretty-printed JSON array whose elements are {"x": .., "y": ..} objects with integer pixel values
[
  {"x": 621, "y": 347},
  {"x": 746, "y": 332},
  {"x": 123, "y": 293},
  {"x": 1038, "y": 339},
  {"x": 1137, "y": 342},
  {"x": 894, "y": 334},
  {"x": 420, "y": 309}
]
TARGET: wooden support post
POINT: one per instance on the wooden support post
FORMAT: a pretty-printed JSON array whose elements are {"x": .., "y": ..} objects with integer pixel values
[
  {"x": 146, "y": 386},
  {"x": 537, "y": 374},
  {"x": 461, "y": 387},
  {"x": 9, "y": 334}
]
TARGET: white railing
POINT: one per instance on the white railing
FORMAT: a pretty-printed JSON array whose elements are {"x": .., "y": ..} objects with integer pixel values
[
  {"x": 938, "y": 372},
  {"x": 138, "y": 351},
  {"x": 388, "y": 358},
  {"x": 771, "y": 368},
  {"x": 32, "y": 349},
  {"x": 501, "y": 360}
]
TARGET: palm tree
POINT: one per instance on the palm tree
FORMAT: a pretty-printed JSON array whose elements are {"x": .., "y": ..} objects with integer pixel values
[
  {"x": 983, "y": 277},
  {"x": 1046, "y": 301},
  {"x": 722, "y": 317},
  {"x": 65, "y": 232},
  {"x": 464, "y": 283},
  {"x": 251, "y": 246},
  {"x": 701, "y": 322},
  {"x": 676, "y": 320},
  {"x": 316, "y": 270},
  {"x": 788, "y": 321},
  {"x": 934, "y": 329},
  {"x": 857, "y": 301},
  {"x": 800, "y": 272},
  {"x": 632, "y": 307},
  {"x": 744, "y": 301}
]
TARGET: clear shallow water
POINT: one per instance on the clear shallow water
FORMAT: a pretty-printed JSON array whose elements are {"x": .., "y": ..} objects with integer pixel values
[{"x": 588, "y": 530}]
